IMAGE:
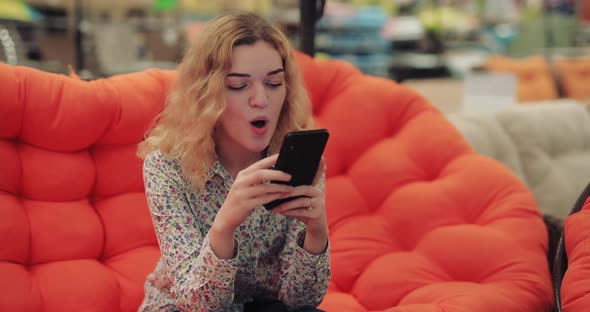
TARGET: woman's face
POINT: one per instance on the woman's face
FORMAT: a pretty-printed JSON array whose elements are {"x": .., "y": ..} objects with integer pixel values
[{"x": 254, "y": 94}]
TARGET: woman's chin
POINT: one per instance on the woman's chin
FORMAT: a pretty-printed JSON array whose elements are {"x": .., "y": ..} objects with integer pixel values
[
  {"x": 258, "y": 144},
  {"x": 258, "y": 148}
]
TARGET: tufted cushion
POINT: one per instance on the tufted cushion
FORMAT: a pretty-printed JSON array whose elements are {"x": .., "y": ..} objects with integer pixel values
[
  {"x": 535, "y": 81},
  {"x": 487, "y": 137},
  {"x": 418, "y": 222},
  {"x": 553, "y": 143},
  {"x": 75, "y": 234},
  {"x": 574, "y": 75},
  {"x": 575, "y": 287}
]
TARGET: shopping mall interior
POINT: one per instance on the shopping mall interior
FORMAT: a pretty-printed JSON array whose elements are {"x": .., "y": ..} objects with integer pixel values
[{"x": 457, "y": 167}]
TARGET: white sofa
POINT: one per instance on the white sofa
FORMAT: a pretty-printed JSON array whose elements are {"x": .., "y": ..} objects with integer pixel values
[{"x": 546, "y": 145}]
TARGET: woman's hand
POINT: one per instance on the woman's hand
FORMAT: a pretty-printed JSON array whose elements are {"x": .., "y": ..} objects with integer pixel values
[
  {"x": 311, "y": 210},
  {"x": 249, "y": 191}
]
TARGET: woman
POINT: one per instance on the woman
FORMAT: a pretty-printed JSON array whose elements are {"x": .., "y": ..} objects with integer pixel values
[{"x": 206, "y": 170}]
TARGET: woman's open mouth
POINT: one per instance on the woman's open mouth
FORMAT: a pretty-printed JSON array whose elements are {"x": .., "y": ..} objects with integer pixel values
[{"x": 259, "y": 125}]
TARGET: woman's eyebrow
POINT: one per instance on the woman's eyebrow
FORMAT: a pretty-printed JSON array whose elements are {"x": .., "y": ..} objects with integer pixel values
[
  {"x": 274, "y": 72},
  {"x": 270, "y": 73}
]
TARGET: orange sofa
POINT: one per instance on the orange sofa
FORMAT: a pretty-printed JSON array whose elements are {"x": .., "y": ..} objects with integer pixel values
[
  {"x": 541, "y": 79},
  {"x": 572, "y": 260},
  {"x": 535, "y": 81},
  {"x": 574, "y": 76},
  {"x": 418, "y": 221}
]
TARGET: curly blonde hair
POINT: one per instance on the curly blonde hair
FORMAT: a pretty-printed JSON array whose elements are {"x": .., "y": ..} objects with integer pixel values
[{"x": 184, "y": 129}]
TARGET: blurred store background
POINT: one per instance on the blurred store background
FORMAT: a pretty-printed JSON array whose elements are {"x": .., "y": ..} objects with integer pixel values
[{"x": 442, "y": 41}]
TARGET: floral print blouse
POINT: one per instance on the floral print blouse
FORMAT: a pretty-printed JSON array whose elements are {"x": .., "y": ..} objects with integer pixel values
[{"x": 270, "y": 262}]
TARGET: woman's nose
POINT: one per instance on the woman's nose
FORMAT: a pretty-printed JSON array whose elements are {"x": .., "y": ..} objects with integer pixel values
[{"x": 258, "y": 98}]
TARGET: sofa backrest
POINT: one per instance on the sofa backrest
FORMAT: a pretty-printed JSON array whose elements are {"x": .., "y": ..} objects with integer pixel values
[
  {"x": 417, "y": 219},
  {"x": 546, "y": 144},
  {"x": 487, "y": 136},
  {"x": 74, "y": 229},
  {"x": 553, "y": 142}
]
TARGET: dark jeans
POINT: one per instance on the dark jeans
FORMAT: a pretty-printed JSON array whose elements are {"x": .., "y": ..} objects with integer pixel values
[{"x": 273, "y": 306}]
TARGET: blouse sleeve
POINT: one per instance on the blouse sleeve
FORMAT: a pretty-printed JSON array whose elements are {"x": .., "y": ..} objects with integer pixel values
[
  {"x": 304, "y": 276},
  {"x": 201, "y": 281}
]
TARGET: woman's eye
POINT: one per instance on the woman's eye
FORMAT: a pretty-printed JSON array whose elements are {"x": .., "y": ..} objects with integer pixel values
[
  {"x": 236, "y": 88},
  {"x": 274, "y": 84}
]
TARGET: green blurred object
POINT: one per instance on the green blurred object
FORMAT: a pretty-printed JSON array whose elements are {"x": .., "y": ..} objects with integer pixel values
[
  {"x": 552, "y": 30},
  {"x": 165, "y": 5}
]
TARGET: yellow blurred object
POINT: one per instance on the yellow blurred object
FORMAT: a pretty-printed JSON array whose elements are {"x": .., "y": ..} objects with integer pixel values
[
  {"x": 15, "y": 10},
  {"x": 322, "y": 56},
  {"x": 446, "y": 19},
  {"x": 211, "y": 8},
  {"x": 389, "y": 6}
]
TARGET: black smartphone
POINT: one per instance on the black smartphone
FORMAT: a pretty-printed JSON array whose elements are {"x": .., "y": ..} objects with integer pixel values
[{"x": 300, "y": 156}]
